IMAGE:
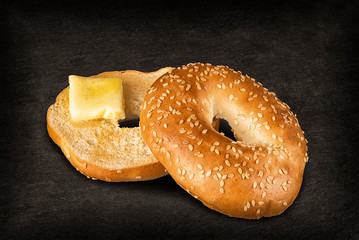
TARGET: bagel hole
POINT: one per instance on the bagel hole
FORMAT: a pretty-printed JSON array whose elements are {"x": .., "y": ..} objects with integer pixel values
[
  {"x": 225, "y": 128},
  {"x": 130, "y": 123}
]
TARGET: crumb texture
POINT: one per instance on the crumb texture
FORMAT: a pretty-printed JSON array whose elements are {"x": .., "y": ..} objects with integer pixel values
[{"x": 102, "y": 142}]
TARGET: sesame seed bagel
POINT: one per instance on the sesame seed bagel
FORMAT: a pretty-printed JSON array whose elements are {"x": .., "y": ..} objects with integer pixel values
[{"x": 260, "y": 174}]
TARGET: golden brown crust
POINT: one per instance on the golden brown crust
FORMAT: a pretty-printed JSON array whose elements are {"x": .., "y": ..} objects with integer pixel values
[{"x": 258, "y": 175}]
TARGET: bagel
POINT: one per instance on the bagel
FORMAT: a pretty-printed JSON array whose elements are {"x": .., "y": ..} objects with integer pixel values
[
  {"x": 260, "y": 174},
  {"x": 99, "y": 148}
]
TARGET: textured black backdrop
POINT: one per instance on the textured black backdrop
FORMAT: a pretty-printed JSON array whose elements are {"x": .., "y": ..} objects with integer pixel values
[{"x": 303, "y": 51}]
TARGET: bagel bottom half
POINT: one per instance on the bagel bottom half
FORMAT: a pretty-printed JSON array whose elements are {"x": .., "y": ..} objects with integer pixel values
[{"x": 100, "y": 148}]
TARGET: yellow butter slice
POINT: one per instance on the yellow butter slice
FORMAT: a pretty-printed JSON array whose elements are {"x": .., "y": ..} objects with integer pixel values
[{"x": 94, "y": 98}]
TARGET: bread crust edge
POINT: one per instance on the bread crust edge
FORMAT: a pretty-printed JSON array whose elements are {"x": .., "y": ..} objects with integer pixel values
[{"x": 92, "y": 171}]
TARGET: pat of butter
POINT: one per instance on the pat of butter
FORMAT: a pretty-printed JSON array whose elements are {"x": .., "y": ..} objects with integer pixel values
[{"x": 94, "y": 98}]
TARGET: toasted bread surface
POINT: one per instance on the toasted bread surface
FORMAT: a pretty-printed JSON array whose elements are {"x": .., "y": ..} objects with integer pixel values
[{"x": 100, "y": 148}]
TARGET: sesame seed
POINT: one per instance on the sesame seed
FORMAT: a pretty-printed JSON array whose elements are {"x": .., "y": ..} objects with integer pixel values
[
  {"x": 221, "y": 190},
  {"x": 191, "y": 137},
  {"x": 264, "y": 194},
  {"x": 199, "y": 166},
  {"x": 221, "y": 183},
  {"x": 209, "y": 173},
  {"x": 234, "y": 149},
  {"x": 190, "y": 147},
  {"x": 255, "y": 185},
  {"x": 204, "y": 131},
  {"x": 216, "y": 143}
]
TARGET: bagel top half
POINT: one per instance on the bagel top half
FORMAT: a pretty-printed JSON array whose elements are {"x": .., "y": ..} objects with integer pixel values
[{"x": 258, "y": 175}]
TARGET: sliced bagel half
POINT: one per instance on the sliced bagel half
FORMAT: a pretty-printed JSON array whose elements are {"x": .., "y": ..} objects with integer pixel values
[{"x": 101, "y": 148}]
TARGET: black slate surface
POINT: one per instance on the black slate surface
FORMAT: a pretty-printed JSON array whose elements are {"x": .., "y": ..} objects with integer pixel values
[{"x": 304, "y": 51}]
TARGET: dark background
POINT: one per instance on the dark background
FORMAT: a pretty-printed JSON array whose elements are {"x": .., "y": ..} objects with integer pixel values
[{"x": 304, "y": 51}]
